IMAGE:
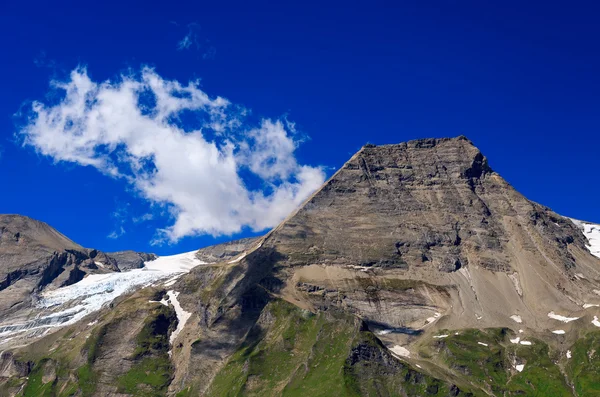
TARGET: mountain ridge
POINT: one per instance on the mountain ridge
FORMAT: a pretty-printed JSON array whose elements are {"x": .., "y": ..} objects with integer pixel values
[{"x": 414, "y": 270}]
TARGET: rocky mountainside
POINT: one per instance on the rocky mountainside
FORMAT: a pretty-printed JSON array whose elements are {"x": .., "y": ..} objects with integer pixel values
[
  {"x": 416, "y": 270},
  {"x": 34, "y": 258}
]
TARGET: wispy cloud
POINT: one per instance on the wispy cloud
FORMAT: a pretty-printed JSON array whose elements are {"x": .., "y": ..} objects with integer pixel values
[
  {"x": 42, "y": 61},
  {"x": 190, "y": 39},
  {"x": 119, "y": 215},
  {"x": 143, "y": 218},
  {"x": 115, "y": 234},
  {"x": 217, "y": 175},
  {"x": 193, "y": 41}
]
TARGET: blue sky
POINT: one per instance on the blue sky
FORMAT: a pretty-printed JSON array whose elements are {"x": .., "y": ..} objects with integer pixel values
[{"x": 520, "y": 80}]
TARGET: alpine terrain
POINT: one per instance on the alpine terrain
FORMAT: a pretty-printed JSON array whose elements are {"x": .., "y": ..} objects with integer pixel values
[{"x": 416, "y": 270}]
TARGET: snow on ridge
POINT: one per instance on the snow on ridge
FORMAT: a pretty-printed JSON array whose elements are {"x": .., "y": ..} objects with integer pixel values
[{"x": 592, "y": 233}]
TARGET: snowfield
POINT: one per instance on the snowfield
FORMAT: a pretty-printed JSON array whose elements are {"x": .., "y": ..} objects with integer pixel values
[
  {"x": 592, "y": 233},
  {"x": 67, "y": 305}
]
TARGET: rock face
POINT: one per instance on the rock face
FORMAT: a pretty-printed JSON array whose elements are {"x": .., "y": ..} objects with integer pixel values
[
  {"x": 434, "y": 213},
  {"x": 416, "y": 270},
  {"x": 34, "y": 256},
  {"x": 225, "y": 251},
  {"x": 128, "y": 260},
  {"x": 411, "y": 239}
]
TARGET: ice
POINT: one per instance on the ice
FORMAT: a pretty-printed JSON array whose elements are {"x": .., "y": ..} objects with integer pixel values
[
  {"x": 592, "y": 233},
  {"x": 384, "y": 331},
  {"x": 561, "y": 318},
  {"x": 67, "y": 305},
  {"x": 516, "y": 318}
]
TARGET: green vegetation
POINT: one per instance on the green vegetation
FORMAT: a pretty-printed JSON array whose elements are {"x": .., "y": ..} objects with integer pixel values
[
  {"x": 541, "y": 377},
  {"x": 302, "y": 354},
  {"x": 35, "y": 384},
  {"x": 298, "y": 354},
  {"x": 584, "y": 366},
  {"x": 151, "y": 372},
  {"x": 491, "y": 367},
  {"x": 372, "y": 371}
]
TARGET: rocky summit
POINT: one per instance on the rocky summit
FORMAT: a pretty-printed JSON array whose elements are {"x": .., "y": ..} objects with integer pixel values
[{"x": 416, "y": 270}]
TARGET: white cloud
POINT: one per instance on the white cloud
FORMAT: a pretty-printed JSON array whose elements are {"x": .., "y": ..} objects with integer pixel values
[{"x": 215, "y": 176}]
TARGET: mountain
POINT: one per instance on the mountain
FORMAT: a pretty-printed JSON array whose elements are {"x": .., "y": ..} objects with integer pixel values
[{"x": 416, "y": 270}]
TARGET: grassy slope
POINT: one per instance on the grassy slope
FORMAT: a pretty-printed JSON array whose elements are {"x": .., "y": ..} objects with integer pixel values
[
  {"x": 303, "y": 354},
  {"x": 292, "y": 352},
  {"x": 491, "y": 367},
  {"x": 73, "y": 360}
]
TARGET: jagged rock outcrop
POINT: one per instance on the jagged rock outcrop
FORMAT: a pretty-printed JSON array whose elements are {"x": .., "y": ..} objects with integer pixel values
[
  {"x": 223, "y": 252},
  {"x": 34, "y": 257},
  {"x": 127, "y": 260}
]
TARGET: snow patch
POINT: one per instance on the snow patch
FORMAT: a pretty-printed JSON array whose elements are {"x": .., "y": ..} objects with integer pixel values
[
  {"x": 400, "y": 351},
  {"x": 514, "y": 277},
  {"x": 559, "y": 332},
  {"x": 429, "y": 320},
  {"x": 588, "y": 305},
  {"x": 482, "y": 344},
  {"x": 384, "y": 331},
  {"x": 596, "y": 322},
  {"x": 515, "y": 341},
  {"x": 182, "y": 315},
  {"x": 569, "y": 354},
  {"x": 516, "y": 318},
  {"x": 526, "y": 343},
  {"x": 592, "y": 233},
  {"x": 561, "y": 318},
  {"x": 239, "y": 258},
  {"x": 440, "y": 336},
  {"x": 520, "y": 367}
]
